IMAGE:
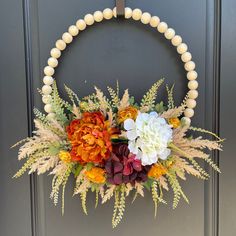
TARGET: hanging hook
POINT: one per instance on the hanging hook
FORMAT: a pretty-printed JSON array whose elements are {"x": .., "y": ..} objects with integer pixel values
[{"x": 120, "y": 8}]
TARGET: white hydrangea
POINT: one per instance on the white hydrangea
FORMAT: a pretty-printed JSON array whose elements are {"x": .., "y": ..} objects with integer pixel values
[{"x": 149, "y": 137}]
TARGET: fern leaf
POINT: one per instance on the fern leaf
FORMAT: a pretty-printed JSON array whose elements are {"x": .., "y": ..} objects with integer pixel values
[{"x": 170, "y": 97}]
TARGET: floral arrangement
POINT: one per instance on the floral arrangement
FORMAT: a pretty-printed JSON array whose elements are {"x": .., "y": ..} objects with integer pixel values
[{"x": 116, "y": 147}]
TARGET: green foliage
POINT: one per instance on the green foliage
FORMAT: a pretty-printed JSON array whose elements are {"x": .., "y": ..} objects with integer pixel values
[
  {"x": 83, "y": 196},
  {"x": 114, "y": 96},
  {"x": 72, "y": 95},
  {"x": 170, "y": 97},
  {"x": 27, "y": 165},
  {"x": 148, "y": 100},
  {"x": 160, "y": 108}
]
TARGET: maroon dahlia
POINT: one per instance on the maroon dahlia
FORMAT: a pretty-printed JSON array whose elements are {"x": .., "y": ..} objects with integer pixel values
[{"x": 122, "y": 167}]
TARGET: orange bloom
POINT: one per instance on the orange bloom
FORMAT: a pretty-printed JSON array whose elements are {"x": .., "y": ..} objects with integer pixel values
[
  {"x": 175, "y": 122},
  {"x": 90, "y": 138},
  {"x": 127, "y": 113},
  {"x": 157, "y": 171},
  {"x": 96, "y": 175}
]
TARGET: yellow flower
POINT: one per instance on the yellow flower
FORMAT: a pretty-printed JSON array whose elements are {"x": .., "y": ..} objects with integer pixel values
[
  {"x": 127, "y": 113},
  {"x": 65, "y": 156},
  {"x": 96, "y": 175},
  {"x": 175, "y": 122},
  {"x": 157, "y": 171}
]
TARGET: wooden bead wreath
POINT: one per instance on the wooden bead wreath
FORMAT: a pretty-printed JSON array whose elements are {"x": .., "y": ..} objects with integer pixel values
[{"x": 137, "y": 15}]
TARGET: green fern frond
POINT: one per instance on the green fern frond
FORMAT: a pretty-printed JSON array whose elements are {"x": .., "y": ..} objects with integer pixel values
[
  {"x": 212, "y": 164},
  {"x": 72, "y": 95},
  {"x": 199, "y": 168},
  {"x": 148, "y": 100},
  {"x": 25, "y": 167},
  {"x": 114, "y": 97},
  {"x": 83, "y": 196},
  {"x": 155, "y": 197},
  {"x": 39, "y": 115},
  {"x": 170, "y": 97}
]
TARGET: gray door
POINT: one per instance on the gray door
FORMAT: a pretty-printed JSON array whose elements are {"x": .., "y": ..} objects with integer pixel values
[{"x": 136, "y": 56}]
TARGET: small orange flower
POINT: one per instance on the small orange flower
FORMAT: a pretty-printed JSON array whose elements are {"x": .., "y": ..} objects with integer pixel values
[
  {"x": 127, "y": 113},
  {"x": 96, "y": 175},
  {"x": 175, "y": 122},
  {"x": 157, "y": 171},
  {"x": 65, "y": 156},
  {"x": 90, "y": 138}
]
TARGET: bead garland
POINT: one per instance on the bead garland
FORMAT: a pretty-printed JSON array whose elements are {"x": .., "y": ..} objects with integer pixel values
[{"x": 137, "y": 15}]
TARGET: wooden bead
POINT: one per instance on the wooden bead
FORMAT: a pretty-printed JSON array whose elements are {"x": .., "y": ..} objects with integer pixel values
[
  {"x": 88, "y": 19},
  {"x": 48, "y": 108},
  {"x": 48, "y": 80},
  {"x": 192, "y": 75},
  {"x": 73, "y": 30},
  {"x": 114, "y": 12},
  {"x": 46, "y": 89},
  {"x": 128, "y": 13},
  {"x": 53, "y": 62},
  {"x": 80, "y": 24},
  {"x": 177, "y": 40},
  {"x": 60, "y": 44},
  {"x": 145, "y": 18},
  {"x": 186, "y": 121},
  {"x": 51, "y": 115},
  {"x": 170, "y": 33},
  {"x": 162, "y": 27},
  {"x": 67, "y": 38},
  {"x": 55, "y": 52},
  {"x": 47, "y": 99},
  {"x": 154, "y": 22},
  {"x": 186, "y": 57},
  {"x": 107, "y": 13},
  {"x": 189, "y": 112},
  {"x": 189, "y": 66},
  {"x": 191, "y": 103},
  {"x": 48, "y": 70},
  {"x": 193, "y": 84},
  {"x": 182, "y": 48},
  {"x": 98, "y": 16},
  {"x": 193, "y": 94},
  {"x": 137, "y": 14}
]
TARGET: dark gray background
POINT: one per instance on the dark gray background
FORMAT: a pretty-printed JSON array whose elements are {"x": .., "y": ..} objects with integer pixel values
[{"x": 136, "y": 56}]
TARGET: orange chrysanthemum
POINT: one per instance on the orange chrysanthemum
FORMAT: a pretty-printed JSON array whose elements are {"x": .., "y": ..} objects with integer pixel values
[
  {"x": 96, "y": 175},
  {"x": 127, "y": 113},
  {"x": 175, "y": 122},
  {"x": 90, "y": 138},
  {"x": 157, "y": 171}
]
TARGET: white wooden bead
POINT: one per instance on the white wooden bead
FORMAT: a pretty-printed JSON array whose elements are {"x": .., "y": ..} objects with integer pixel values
[
  {"x": 48, "y": 108},
  {"x": 51, "y": 115},
  {"x": 192, "y": 75},
  {"x": 48, "y": 80},
  {"x": 53, "y": 62},
  {"x": 46, "y": 89},
  {"x": 73, "y": 30},
  {"x": 107, "y": 13},
  {"x": 182, "y": 48},
  {"x": 89, "y": 20},
  {"x": 128, "y": 13},
  {"x": 60, "y": 44},
  {"x": 191, "y": 103},
  {"x": 193, "y": 84},
  {"x": 170, "y": 33},
  {"x": 67, "y": 37},
  {"x": 162, "y": 27},
  {"x": 193, "y": 94},
  {"x": 98, "y": 16},
  {"x": 80, "y": 24},
  {"x": 177, "y": 40},
  {"x": 186, "y": 57},
  {"x": 154, "y": 22},
  {"x": 189, "y": 112},
  {"x": 189, "y": 66},
  {"x": 137, "y": 14},
  {"x": 146, "y": 18},
  {"x": 47, "y": 99},
  {"x": 48, "y": 70},
  {"x": 114, "y": 12},
  {"x": 186, "y": 121},
  {"x": 55, "y": 52}
]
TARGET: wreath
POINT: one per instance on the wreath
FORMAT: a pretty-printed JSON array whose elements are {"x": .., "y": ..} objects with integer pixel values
[{"x": 116, "y": 146}]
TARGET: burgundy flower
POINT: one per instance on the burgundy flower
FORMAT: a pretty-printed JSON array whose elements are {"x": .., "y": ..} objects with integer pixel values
[{"x": 122, "y": 167}]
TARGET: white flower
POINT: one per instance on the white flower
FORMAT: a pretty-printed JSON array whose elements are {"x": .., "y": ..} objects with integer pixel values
[{"x": 148, "y": 137}]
